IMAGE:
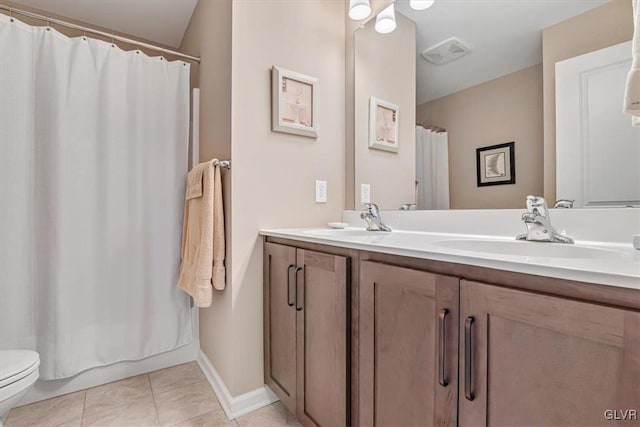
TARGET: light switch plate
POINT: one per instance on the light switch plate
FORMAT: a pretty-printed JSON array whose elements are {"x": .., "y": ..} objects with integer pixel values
[
  {"x": 365, "y": 193},
  {"x": 321, "y": 191}
]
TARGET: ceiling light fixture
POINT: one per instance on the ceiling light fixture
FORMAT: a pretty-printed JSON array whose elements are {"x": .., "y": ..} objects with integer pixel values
[
  {"x": 386, "y": 20},
  {"x": 421, "y": 4},
  {"x": 359, "y": 9}
]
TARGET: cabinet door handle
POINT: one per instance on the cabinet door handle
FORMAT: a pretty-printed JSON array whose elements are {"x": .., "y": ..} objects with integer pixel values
[
  {"x": 298, "y": 306},
  {"x": 442, "y": 347},
  {"x": 289, "y": 303},
  {"x": 468, "y": 358}
]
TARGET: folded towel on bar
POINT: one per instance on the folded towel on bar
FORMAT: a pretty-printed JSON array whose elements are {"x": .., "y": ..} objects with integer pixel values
[
  {"x": 632, "y": 93},
  {"x": 203, "y": 244}
]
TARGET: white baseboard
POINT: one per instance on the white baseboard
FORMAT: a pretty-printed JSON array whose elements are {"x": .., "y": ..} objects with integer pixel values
[{"x": 239, "y": 405}]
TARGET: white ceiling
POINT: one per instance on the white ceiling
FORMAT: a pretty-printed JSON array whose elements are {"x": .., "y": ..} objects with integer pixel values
[
  {"x": 161, "y": 21},
  {"x": 504, "y": 35}
]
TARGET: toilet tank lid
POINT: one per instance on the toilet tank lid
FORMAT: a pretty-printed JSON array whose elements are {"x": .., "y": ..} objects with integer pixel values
[{"x": 13, "y": 362}]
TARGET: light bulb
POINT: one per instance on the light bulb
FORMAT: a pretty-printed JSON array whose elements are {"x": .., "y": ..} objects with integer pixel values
[
  {"x": 359, "y": 9},
  {"x": 421, "y": 4},
  {"x": 386, "y": 20}
]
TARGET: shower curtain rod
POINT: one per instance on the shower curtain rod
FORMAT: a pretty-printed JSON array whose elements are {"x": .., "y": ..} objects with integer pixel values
[
  {"x": 136, "y": 43},
  {"x": 437, "y": 129}
]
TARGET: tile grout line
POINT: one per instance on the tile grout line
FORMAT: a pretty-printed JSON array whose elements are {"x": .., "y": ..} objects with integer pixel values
[
  {"x": 119, "y": 406},
  {"x": 189, "y": 419},
  {"x": 204, "y": 381},
  {"x": 84, "y": 405},
  {"x": 153, "y": 397}
]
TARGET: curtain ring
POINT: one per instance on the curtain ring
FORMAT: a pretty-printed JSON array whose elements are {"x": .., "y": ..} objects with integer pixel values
[
  {"x": 84, "y": 33},
  {"x": 48, "y": 23},
  {"x": 113, "y": 41},
  {"x": 10, "y": 14}
]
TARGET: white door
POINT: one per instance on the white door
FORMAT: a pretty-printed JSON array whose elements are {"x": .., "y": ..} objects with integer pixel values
[{"x": 597, "y": 149}]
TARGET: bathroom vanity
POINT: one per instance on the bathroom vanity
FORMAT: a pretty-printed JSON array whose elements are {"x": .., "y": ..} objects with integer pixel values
[
  {"x": 449, "y": 319},
  {"x": 411, "y": 328}
]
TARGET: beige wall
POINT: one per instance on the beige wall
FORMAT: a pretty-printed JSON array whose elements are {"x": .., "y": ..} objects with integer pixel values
[
  {"x": 273, "y": 173},
  {"x": 350, "y": 28},
  {"x": 506, "y": 109},
  {"x": 272, "y": 179},
  {"x": 209, "y": 36},
  {"x": 596, "y": 29},
  {"x": 390, "y": 76}
]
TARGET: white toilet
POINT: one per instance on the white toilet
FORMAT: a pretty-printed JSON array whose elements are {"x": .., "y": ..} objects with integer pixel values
[{"x": 18, "y": 372}]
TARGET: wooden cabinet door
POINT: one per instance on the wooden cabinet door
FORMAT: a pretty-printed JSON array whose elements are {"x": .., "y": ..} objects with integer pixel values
[
  {"x": 280, "y": 322},
  {"x": 408, "y": 362},
  {"x": 321, "y": 305},
  {"x": 537, "y": 360}
]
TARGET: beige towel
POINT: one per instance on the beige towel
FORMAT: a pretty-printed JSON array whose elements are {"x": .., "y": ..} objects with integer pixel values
[{"x": 203, "y": 246}]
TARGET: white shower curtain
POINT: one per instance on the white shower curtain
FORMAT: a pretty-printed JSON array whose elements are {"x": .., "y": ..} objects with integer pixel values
[
  {"x": 93, "y": 158},
  {"x": 432, "y": 169}
]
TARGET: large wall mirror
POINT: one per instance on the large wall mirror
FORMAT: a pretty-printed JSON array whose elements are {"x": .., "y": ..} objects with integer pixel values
[{"x": 475, "y": 104}]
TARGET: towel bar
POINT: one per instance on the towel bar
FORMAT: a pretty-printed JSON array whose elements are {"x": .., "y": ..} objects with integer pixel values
[{"x": 223, "y": 163}]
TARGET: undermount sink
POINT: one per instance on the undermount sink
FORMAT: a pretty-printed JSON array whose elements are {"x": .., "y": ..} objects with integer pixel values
[
  {"x": 529, "y": 249},
  {"x": 347, "y": 232}
]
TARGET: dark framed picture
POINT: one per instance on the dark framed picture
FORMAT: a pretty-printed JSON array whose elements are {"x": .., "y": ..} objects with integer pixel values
[{"x": 496, "y": 165}]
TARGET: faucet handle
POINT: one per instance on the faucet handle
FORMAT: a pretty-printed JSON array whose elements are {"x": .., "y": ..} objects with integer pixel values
[
  {"x": 371, "y": 208},
  {"x": 537, "y": 205}
]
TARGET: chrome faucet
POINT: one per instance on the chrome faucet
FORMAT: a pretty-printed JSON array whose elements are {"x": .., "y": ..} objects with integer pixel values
[
  {"x": 372, "y": 216},
  {"x": 538, "y": 222}
]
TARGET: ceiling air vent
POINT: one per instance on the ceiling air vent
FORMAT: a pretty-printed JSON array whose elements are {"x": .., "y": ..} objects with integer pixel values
[{"x": 446, "y": 51}]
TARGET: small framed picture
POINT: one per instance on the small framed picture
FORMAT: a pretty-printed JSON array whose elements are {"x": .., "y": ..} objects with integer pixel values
[
  {"x": 383, "y": 125},
  {"x": 294, "y": 103},
  {"x": 496, "y": 165}
]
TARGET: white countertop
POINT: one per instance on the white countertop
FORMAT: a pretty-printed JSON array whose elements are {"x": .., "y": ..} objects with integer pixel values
[{"x": 612, "y": 264}]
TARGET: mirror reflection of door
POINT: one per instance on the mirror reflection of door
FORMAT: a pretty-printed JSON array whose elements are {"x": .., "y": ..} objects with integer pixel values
[
  {"x": 597, "y": 152},
  {"x": 468, "y": 75}
]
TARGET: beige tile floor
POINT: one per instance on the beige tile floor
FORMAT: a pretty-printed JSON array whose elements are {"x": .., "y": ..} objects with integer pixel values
[{"x": 176, "y": 396}]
